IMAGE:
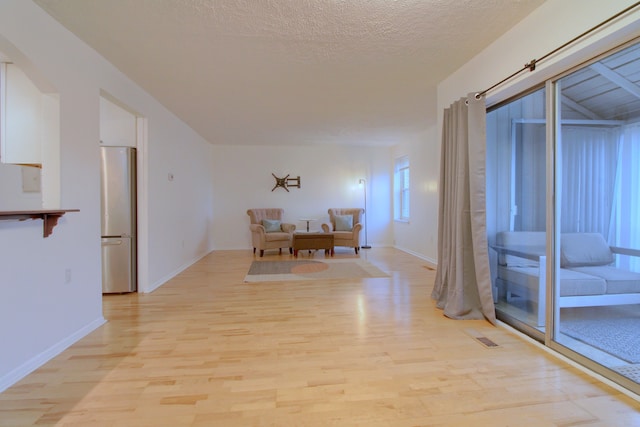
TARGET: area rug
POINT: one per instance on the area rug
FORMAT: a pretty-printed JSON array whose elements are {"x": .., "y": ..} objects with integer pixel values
[
  {"x": 274, "y": 271},
  {"x": 615, "y": 330}
]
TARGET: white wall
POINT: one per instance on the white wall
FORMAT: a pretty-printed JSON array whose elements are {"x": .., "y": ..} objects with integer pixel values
[
  {"x": 12, "y": 196},
  {"x": 117, "y": 125},
  {"x": 419, "y": 236},
  {"x": 180, "y": 211},
  {"x": 329, "y": 178},
  {"x": 41, "y": 148},
  {"x": 40, "y": 314}
]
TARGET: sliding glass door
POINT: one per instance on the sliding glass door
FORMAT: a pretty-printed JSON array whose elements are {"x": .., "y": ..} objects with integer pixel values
[
  {"x": 597, "y": 274},
  {"x": 563, "y": 213},
  {"x": 516, "y": 206}
]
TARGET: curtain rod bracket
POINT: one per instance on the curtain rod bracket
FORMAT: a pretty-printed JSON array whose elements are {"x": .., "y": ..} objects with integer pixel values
[{"x": 531, "y": 65}]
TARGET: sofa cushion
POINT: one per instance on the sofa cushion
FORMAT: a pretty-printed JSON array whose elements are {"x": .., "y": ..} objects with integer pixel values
[
  {"x": 572, "y": 283},
  {"x": 619, "y": 281},
  {"x": 342, "y": 235},
  {"x": 277, "y": 236},
  {"x": 344, "y": 222},
  {"x": 584, "y": 249},
  {"x": 271, "y": 225}
]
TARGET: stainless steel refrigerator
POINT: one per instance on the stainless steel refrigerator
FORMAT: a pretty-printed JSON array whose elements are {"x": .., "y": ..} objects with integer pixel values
[{"x": 118, "y": 208}]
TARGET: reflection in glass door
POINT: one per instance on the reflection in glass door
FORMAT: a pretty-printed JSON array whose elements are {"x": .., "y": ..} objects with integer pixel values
[
  {"x": 516, "y": 210},
  {"x": 597, "y": 281}
]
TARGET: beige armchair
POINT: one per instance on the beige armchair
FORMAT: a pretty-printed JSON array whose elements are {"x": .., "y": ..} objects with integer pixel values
[
  {"x": 268, "y": 231},
  {"x": 345, "y": 226}
]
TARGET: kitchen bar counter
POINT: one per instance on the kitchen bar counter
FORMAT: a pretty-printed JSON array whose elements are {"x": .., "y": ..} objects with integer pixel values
[{"x": 49, "y": 217}]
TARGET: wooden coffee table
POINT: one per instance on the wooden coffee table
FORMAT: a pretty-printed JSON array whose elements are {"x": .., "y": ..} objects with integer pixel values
[{"x": 313, "y": 241}]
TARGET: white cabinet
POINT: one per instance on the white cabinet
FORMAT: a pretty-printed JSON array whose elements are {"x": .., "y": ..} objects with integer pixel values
[{"x": 21, "y": 117}]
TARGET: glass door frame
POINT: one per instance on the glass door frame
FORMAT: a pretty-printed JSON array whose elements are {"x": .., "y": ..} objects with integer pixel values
[{"x": 553, "y": 221}]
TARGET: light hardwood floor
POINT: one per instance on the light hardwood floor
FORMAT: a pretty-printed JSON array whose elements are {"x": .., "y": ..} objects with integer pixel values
[{"x": 207, "y": 349}]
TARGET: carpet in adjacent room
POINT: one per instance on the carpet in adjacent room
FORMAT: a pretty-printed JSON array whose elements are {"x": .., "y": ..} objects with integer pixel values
[{"x": 614, "y": 329}]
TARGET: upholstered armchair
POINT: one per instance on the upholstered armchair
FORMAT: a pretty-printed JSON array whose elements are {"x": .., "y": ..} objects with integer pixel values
[
  {"x": 345, "y": 226},
  {"x": 268, "y": 231}
]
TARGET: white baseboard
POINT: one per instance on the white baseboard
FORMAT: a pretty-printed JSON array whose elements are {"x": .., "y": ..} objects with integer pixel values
[
  {"x": 174, "y": 273},
  {"x": 417, "y": 255},
  {"x": 35, "y": 362}
]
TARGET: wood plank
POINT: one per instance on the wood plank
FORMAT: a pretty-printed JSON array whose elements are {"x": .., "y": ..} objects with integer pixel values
[{"x": 207, "y": 349}]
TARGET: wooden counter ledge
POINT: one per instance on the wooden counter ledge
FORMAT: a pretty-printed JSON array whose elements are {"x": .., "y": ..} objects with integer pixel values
[{"x": 49, "y": 217}]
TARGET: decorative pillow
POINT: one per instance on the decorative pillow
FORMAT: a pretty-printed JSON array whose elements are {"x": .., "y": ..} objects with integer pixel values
[
  {"x": 584, "y": 249},
  {"x": 344, "y": 222},
  {"x": 271, "y": 225}
]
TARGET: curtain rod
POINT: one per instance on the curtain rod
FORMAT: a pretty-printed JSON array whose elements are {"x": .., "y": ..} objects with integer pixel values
[{"x": 531, "y": 66}]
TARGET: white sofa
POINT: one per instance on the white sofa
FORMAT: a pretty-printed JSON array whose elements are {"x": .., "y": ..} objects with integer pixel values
[{"x": 587, "y": 274}]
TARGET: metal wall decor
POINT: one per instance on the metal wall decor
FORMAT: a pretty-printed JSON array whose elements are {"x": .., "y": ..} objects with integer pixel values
[{"x": 286, "y": 182}]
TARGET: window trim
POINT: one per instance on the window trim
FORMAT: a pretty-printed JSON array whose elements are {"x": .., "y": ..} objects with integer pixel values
[{"x": 402, "y": 194}]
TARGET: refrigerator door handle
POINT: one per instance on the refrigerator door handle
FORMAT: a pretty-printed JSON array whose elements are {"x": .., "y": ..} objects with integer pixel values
[{"x": 110, "y": 243}]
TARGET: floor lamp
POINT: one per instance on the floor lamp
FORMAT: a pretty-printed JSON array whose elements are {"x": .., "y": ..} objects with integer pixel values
[{"x": 366, "y": 242}]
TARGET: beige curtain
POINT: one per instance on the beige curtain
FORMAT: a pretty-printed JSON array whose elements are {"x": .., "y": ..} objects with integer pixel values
[{"x": 463, "y": 282}]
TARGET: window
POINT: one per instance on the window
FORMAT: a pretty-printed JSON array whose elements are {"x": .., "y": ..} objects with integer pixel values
[{"x": 402, "y": 194}]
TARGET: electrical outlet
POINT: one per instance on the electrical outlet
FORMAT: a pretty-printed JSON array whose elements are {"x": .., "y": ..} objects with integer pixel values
[{"x": 67, "y": 275}]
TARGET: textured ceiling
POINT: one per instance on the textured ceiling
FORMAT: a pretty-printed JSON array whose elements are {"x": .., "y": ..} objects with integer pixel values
[{"x": 292, "y": 71}]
